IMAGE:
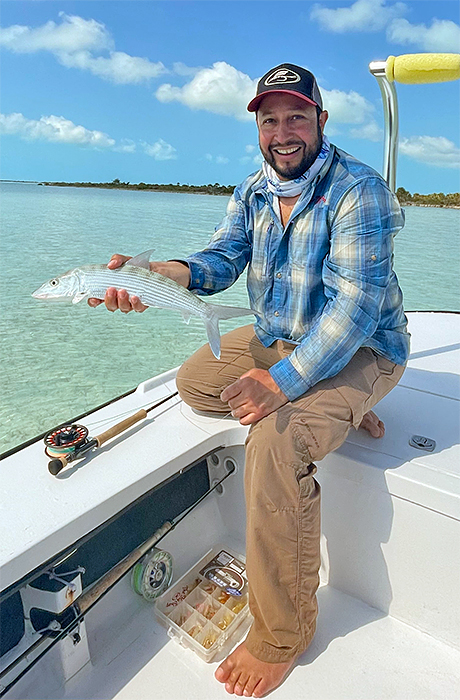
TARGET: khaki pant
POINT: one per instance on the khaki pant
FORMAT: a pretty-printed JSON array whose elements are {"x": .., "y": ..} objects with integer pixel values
[{"x": 282, "y": 497}]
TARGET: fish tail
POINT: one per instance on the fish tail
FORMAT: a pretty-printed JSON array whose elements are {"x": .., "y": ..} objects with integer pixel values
[
  {"x": 230, "y": 311},
  {"x": 218, "y": 312},
  {"x": 212, "y": 331}
]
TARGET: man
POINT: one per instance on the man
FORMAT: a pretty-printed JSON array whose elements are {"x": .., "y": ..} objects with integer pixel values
[{"x": 315, "y": 227}]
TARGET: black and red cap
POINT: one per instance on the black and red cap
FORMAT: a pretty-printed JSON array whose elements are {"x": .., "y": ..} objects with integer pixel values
[{"x": 291, "y": 80}]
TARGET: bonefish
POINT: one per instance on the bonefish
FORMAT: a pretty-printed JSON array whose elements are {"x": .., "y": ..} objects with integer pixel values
[{"x": 152, "y": 289}]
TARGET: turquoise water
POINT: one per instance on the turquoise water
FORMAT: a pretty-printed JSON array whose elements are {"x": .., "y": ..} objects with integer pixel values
[{"x": 60, "y": 360}]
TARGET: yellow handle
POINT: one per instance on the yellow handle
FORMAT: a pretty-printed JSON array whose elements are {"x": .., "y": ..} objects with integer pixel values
[{"x": 415, "y": 68}]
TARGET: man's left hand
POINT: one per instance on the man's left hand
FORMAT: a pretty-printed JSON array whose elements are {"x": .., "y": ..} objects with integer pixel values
[{"x": 253, "y": 396}]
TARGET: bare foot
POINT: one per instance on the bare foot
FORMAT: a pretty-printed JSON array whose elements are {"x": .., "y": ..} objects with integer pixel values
[
  {"x": 373, "y": 424},
  {"x": 243, "y": 674}
]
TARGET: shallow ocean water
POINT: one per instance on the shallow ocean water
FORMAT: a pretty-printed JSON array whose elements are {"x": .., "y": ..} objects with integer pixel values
[{"x": 60, "y": 360}]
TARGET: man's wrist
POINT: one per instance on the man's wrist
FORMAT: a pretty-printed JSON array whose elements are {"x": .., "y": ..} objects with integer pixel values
[{"x": 183, "y": 275}]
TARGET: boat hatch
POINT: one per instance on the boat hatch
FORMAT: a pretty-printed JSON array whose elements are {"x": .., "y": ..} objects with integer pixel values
[{"x": 100, "y": 550}]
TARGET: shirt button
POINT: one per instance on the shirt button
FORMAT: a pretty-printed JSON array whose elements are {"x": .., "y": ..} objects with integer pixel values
[
  {"x": 277, "y": 313},
  {"x": 373, "y": 257},
  {"x": 278, "y": 274}
]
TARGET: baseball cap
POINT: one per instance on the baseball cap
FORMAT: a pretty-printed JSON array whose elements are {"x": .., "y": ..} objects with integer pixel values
[{"x": 290, "y": 79}]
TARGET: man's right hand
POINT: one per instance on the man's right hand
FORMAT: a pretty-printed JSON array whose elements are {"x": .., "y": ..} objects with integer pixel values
[{"x": 120, "y": 299}]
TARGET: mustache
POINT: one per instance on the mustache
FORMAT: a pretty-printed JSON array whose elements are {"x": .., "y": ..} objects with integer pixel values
[{"x": 289, "y": 144}]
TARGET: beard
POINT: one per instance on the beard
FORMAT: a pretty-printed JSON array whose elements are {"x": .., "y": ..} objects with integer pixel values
[{"x": 310, "y": 154}]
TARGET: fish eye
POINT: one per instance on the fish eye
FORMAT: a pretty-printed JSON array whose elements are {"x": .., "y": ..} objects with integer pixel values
[{"x": 54, "y": 282}]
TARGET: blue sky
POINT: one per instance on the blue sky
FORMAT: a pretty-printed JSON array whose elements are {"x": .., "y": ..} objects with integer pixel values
[{"x": 156, "y": 91}]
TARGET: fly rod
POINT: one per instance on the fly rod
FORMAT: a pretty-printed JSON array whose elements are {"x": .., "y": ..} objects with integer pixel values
[
  {"x": 70, "y": 442},
  {"x": 86, "y": 601}
]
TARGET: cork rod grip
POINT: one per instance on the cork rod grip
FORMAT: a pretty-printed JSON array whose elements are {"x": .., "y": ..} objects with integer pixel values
[
  {"x": 120, "y": 427},
  {"x": 418, "y": 68}
]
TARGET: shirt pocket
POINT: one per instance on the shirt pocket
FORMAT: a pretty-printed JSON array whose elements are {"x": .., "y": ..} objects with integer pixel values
[{"x": 261, "y": 264}]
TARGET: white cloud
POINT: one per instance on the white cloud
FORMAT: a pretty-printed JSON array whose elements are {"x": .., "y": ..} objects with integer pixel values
[
  {"x": 362, "y": 15},
  {"x": 432, "y": 150},
  {"x": 182, "y": 69},
  {"x": 220, "y": 160},
  {"x": 250, "y": 148},
  {"x": 119, "y": 68},
  {"x": 75, "y": 42},
  {"x": 54, "y": 129},
  {"x": 126, "y": 146},
  {"x": 374, "y": 15},
  {"x": 73, "y": 34},
  {"x": 221, "y": 89},
  {"x": 160, "y": 150},
  {"x": 61, "y": 130},
  {"x": 370, "y": 131},
  {"x": 346, "y": 107},
  {"x": 350, "y": 108},
  {"x": 443, "y": 35}
]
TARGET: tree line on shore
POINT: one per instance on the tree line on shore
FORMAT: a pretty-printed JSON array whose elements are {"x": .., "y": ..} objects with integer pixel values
[
  {"x": 437, "y": 199},
  {"x": 117, "y": 184}
]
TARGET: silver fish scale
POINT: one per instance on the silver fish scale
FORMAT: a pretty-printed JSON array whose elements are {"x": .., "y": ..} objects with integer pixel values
[{"x": 152, "y": 288}]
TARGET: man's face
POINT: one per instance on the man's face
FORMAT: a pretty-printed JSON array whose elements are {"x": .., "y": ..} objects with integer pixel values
[{"x": 290, "y": 134}]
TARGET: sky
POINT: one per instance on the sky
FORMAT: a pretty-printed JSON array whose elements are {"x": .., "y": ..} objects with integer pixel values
[{"x": 148, "y": 91}]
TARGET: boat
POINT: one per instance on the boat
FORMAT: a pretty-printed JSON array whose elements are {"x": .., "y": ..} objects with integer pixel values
[{"x": 94, "y": 540}]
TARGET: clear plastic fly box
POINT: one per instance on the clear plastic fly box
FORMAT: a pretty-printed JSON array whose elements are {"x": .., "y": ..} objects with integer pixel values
[{"x": 204, "y": 608}]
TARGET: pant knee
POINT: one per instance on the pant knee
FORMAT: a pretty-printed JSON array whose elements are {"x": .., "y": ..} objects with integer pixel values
[
  {"x": 197, "y": 390},
  {"x": 183, "y": 384}
]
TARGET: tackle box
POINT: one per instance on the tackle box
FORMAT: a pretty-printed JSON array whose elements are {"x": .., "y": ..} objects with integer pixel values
[{"x": 204, "y": 608}]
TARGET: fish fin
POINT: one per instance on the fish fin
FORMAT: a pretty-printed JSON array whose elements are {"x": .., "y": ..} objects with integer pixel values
[
  {"x": 141, "y": 260},
  {"x": 212, "y": 330},
  {"x": 186, "y": 316},
  {"x": 230, "y": 311},
  {"x": 79, "y": 296}
]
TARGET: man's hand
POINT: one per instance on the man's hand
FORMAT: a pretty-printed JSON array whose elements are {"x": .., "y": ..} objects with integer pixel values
[
  {"x": 121, "y": 300},
  {"x": 253, "y": 396}
]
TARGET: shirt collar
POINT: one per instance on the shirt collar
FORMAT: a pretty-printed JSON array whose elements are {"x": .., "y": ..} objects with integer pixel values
[{"x": 260, "y": 185}]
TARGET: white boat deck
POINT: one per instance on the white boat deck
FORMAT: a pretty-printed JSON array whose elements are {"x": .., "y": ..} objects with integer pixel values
[
  {"x": 89, "y": 492},
  {"x": 358, "y": 652},
  {"x": 387, "y": 626}
]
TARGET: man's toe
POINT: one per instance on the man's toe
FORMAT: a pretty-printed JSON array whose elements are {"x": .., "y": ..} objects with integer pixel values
[
  {"x": 232, "y": 681},
  {"x": 240, "y": 685},
  {"x": 251, "y": 683},
  {"x": 223, "y": 672}
]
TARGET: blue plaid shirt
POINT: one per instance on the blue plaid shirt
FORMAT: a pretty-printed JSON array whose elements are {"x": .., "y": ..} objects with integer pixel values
[{"x": 324, "y": 282}]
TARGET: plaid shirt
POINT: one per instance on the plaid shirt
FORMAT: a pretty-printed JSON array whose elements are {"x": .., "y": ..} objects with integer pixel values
[{"x": 324, "y": 282}]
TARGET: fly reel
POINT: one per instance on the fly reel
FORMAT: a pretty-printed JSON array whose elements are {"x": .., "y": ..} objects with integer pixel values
[
  {"x": 64, "y": 440},
  {"x": 153, "y": 574}
]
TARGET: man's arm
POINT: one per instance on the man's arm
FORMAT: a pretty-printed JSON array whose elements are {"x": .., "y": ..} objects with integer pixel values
[
  {"x": 356, "y": 273},
  {"x": 223, "y": 260},
  {"x": 213, "y": 269}
]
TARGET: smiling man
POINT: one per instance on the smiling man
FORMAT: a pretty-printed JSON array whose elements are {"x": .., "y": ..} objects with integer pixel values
[{"x": 315, "y": 228}]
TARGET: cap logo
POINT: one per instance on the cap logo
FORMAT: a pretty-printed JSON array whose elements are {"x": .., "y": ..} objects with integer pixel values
[{"x": 283, "y": 76}]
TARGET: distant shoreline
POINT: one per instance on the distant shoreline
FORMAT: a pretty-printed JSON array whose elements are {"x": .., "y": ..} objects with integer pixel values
[
  {"x": 452, "y": 201},
  {"x": 433, "y": 206},
  {"x": 215, "y": 189}
]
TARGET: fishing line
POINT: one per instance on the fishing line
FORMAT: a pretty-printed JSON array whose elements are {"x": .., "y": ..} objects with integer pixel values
[
  {"x": 106, "y": 421},
  {"x": 70, "y": 442}
]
